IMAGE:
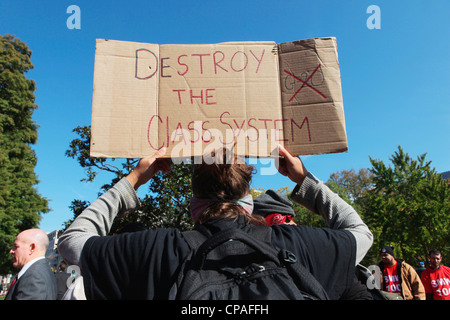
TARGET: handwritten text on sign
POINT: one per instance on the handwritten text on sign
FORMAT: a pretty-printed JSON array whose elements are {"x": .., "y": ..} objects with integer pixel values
[{"x": 211, "y": 67}]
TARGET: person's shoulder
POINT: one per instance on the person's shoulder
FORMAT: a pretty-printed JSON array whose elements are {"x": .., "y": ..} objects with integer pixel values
[
  {"x": 406, "y": 264},
  {"x": 38, "y": 271},
  {"x": 40, "y": 265}
]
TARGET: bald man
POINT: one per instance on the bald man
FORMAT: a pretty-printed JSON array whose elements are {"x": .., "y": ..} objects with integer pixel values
[{"x": 35, "y": 280}]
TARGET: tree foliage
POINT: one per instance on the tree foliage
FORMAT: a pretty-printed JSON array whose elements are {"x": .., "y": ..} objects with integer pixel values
[
  {"x": 167, "y": 203},
  {"x": 408, "y": 207},
  {"x": 351, "y": 185},
  {"x": 21, "y": 205},
  {"x": 405, "y": 204}
]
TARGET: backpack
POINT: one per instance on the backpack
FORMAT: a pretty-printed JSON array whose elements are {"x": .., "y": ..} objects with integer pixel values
[{"x": 235, "y": 265}]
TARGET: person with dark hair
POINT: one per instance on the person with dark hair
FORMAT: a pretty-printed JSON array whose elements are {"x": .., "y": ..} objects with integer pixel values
[
  {"x": 145, "y": 265},
  {"x": 436, "y": 278},
  {"x": 398, "y": 277}
]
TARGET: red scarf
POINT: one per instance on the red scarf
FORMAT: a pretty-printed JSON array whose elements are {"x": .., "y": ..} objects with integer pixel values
[{"x": 277, "y": 218}]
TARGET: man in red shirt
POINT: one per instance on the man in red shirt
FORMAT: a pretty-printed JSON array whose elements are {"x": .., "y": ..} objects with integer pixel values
[
  {"x": 399, "y": 277},
  {"x": 436, "y": 278}
]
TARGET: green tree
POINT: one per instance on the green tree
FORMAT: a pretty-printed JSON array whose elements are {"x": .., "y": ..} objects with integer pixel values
[
  {"x": 305, "y": 217},
  {"x": 21, "y": 205},
  {"x": 165, "y": 205},
  {"x": 351, "y": 185},
  {"x": 408, "y": 207}
]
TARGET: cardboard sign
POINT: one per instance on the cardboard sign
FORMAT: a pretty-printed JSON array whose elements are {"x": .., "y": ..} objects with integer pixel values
[{"x": 192, "y": 99}]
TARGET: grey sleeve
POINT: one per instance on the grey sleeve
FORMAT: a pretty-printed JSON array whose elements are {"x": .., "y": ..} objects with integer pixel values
[
  {"x": 318, "y": 198},
  {"x": 97, "y": 219}
]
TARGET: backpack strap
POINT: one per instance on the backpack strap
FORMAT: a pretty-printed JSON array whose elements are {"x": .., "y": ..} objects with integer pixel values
[
  {"x": 310, "y": 285},
  {"x": 234, "y": 234},
  {"x": 194, "y": 238},
  {"x": 258, "y": 238}
]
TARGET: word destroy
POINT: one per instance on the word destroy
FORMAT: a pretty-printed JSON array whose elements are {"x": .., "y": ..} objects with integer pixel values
[{"x": 216, "y": 63}]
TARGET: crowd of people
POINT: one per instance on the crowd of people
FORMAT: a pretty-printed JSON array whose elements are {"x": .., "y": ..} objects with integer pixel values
[
  {"x": 146, "y": 264},
  {"x": 402, "y": 281}
]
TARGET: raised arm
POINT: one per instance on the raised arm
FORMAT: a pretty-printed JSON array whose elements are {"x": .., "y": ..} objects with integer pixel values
[
  {"x": 97, "y": 219},
  {"x": 318, "y": 198}
]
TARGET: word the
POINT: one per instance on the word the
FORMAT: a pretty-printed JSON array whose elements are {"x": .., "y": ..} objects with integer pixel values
[
  {"x": 206, "y": 63},
  {"x": 204, "y": 96},
  {"x": 74, "y": 21},
  {"x": 374, "y": 21}
]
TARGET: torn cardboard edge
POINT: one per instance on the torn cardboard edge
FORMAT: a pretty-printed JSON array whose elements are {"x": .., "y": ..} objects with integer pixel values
[{"x": 193, "y": 99}]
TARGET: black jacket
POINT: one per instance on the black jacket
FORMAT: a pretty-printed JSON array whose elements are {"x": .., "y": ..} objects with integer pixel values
[{"x": 145, "y": 265}]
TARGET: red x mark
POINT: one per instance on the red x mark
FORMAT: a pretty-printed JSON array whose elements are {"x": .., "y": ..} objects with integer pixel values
[{"x": 305, "y": 83}]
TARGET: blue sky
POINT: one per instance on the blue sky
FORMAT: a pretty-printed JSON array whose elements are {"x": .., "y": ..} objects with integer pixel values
[{"x": 395, "y": 80}]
